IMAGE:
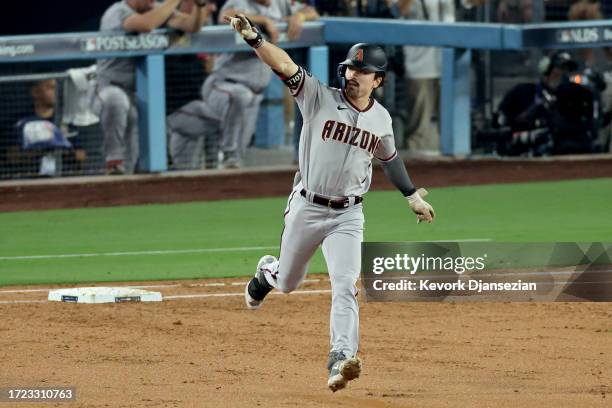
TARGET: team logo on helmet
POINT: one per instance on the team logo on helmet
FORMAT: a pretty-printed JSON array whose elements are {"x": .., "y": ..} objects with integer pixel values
[{"x": 359, "y": 55}]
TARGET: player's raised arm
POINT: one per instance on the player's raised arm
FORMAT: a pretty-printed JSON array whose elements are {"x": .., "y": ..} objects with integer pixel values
[{"x": 275, "y": 57}]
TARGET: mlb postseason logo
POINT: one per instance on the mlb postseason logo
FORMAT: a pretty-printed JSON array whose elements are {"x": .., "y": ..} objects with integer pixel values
[
  {"x": 107, "y": 43},
  {"x": 580, "y": 35}
]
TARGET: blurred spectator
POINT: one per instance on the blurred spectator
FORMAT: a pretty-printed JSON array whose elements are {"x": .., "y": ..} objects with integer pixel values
[
  {"x": 338, "y": 8},
  {"x": 423, "y": 70},
  {"x": 234, "y": 90},
  {"x": 599, "y": 60},
  {"x": 185, "y": 73},
  {"x": 586, "y": 10},
  {"x": 76, "y": 95},
  {"x": 38, "y": 146},
  {"x": 115, "y": 99},
  {"x": 511, "y": 64},
  {"x": 515, "y": 11},
  {"x": 557, "y": 10}
]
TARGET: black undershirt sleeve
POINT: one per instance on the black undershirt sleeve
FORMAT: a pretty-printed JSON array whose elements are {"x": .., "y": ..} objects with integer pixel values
[{"x": 398, "y": 175}]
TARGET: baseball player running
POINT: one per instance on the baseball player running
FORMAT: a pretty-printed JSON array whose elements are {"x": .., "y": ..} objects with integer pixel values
[{"x": 343, "y": 129}]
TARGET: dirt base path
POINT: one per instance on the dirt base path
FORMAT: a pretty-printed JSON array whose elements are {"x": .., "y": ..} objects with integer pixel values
[{"x": 209, "y": 351}]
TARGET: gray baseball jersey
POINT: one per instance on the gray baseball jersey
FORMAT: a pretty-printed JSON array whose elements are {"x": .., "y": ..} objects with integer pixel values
[
  {"x": 337, "y": 144},
  {"x": 338, "y": 140},
  {"x": 119, "y": 71}
]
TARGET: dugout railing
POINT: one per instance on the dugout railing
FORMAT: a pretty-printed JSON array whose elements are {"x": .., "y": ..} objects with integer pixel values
[{"x": 457, "y": 40}]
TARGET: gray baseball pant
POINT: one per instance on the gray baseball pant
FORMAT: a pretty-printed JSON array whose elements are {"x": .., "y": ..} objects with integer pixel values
[
  {"x": 188, "y": 129},
  {"x": 340, "y": 232},
  {"x": 119, "y": 121},
  {"x": 237, "y": 106}
]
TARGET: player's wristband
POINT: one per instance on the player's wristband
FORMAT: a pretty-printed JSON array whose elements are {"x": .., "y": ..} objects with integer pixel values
[{"x": 255, "y": 42}]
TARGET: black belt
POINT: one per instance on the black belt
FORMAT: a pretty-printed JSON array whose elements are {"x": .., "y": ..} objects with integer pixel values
[{"x": 335, "y": 204}]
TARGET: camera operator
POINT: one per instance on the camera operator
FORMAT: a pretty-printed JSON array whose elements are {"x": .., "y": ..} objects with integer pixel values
[{"x": 558, "y": 115}]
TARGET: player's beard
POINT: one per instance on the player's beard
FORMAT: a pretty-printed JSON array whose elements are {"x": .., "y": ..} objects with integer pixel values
[{"x": 352, "y": 89}]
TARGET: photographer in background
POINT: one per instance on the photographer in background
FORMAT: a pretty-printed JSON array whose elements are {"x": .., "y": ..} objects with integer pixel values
[{"x": 560, "y": 114}]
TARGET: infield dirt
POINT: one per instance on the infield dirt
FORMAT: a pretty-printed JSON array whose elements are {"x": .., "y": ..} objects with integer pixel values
[{"x": 211, "y": 352}]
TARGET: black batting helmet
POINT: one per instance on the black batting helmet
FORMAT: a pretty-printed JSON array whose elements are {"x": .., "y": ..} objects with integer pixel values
[{"x": 366, "y": 57}]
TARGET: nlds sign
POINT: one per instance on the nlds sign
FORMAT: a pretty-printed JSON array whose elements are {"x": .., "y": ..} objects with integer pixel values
[{"x": 579, "y": 35}]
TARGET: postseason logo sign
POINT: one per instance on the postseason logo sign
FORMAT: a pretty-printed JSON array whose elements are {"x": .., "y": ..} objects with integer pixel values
[
  {"x": 125, "y": 42},
  {"x": 487, "y": 271},
  {"x": 584, "y": 35}
]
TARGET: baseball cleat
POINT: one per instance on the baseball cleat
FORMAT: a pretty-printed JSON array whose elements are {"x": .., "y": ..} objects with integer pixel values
[
  {"x": 342, "y": 370},
  {"x": 115, "y": 167},
  {"x": 230, "y": 160},
  {"x": 258, "y": 287}
]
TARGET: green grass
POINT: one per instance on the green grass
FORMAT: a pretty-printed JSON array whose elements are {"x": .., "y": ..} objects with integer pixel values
[{"x": 530, "y": 212}]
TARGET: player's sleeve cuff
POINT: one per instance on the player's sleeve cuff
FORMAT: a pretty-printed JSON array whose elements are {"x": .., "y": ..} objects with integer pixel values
[{"x": 388, "y": 159}]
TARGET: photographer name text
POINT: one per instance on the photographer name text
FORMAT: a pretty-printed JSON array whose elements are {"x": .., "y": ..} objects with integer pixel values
[{"x": 474, "y": 285}]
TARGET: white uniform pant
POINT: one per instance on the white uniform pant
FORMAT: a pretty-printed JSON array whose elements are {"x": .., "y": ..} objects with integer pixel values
[{"x": 340, "y": 232}]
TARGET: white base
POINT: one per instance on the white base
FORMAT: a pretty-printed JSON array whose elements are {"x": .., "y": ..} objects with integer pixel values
[{"x": 104, "y": 295}]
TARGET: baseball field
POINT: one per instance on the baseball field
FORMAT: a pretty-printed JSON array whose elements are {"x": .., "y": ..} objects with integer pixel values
[{"x": 200, "y": 347}]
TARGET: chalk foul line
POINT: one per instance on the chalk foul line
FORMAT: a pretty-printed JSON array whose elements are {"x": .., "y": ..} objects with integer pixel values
[
  {"x": 138, "y": 253},
  {"x": 177, "y": 251}
]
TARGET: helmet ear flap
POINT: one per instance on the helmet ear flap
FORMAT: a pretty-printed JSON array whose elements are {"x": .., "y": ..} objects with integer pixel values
[{"x": 341, "y": 75}]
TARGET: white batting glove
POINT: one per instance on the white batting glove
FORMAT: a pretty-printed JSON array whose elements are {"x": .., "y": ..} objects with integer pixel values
[
  {"x": 243, "y": 26},
  {"x": 423, "y": 210}
]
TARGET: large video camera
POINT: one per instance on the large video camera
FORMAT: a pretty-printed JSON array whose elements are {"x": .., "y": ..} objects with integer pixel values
[{"x": 561, "y": 114}]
